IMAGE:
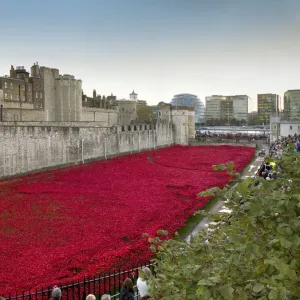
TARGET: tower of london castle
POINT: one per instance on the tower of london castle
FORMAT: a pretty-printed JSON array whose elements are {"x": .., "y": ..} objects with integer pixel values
[
  {"x": 42, "y": 95},
  {"x": 63, "y": 95}
]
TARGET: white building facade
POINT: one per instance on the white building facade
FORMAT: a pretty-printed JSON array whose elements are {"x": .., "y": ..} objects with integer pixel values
[{"x": 281, "y": 126}]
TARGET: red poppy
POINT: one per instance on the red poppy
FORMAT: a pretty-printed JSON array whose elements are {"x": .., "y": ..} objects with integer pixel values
[{"x": 58, "y": 226}]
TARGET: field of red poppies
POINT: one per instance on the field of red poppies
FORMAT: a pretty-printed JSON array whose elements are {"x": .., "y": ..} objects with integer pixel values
[{"x": 58, "y": 226}]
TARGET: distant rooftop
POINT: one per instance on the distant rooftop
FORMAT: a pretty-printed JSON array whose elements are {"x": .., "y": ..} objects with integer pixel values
[{"x": 186, "y": 94}]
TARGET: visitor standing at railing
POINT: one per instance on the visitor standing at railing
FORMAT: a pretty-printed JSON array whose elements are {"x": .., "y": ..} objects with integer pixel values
[
  {"x": 56, "y": 293},
  {"x": 142, "y": 283},
  {"x": 127, "y": 292}
]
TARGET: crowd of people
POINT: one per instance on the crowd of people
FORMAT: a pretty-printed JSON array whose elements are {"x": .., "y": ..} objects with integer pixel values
[
  {"x": 127, "y": 290},
  {"x": 278, "y": 145},
  {"x": 268, "y": 169},
  {"x": 229, "y": 136}
]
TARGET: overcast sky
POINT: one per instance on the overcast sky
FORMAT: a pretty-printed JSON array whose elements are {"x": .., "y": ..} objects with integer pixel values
[{"x": 159, "y": 48}]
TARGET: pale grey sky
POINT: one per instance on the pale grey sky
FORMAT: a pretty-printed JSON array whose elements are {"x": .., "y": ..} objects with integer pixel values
[{"x": 159, "y": 48}]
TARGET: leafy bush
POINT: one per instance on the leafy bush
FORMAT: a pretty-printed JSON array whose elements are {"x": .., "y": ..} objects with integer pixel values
[{"x": 252, "y": 254}]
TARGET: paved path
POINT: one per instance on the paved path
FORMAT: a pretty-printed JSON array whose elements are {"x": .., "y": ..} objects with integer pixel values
[{"x": 219, "y": 206}]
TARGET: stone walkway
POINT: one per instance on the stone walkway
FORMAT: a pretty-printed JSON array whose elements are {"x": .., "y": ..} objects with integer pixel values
[{"x": 219, "y": 206}]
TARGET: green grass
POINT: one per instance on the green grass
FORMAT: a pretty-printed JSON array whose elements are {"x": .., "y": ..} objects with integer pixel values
[{"x": 193, "y": 220}]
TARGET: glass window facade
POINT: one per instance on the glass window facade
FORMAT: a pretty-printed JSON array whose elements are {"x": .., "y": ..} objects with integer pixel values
[
  {"x": 292, "y": 104},
  {"x": 190, "y": 101}
]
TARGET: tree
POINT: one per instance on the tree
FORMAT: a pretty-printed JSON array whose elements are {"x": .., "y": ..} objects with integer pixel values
[
  {"x": 145, "y": 114},
  {"x": 253, "y": 254}
]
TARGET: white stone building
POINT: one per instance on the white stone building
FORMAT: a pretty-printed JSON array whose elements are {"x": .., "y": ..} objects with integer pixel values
[{"x": 282, "y": 126}]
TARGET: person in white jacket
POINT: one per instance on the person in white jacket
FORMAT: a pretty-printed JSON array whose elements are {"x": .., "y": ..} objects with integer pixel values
[{"x": 142, "y": 285}]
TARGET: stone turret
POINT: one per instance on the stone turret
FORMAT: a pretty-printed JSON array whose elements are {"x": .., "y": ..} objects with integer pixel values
[
  {"x": 35, "y": 70},
  {"x": 133, "y": 96},
  {"x": 12, "y": 71}
]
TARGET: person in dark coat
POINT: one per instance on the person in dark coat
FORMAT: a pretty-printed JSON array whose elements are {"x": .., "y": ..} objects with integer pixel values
[{"x": 127, "y": 292}]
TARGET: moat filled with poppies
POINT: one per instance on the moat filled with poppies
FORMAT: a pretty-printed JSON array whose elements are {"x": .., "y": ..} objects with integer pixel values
[{"x": 60, "y": 225}]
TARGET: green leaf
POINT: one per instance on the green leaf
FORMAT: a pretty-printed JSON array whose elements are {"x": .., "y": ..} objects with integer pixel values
[
  {"x": 295, "y": 239},
  {"x": 153, "y": 248},
  {"x": 285, "y": 243},
  {"x": 230, "y": 165},
  {"x": 226, "y": 292},
  {"x": 258, "y": 287},
  {"x": 291, "y": 274},
  {"x": 273, "y": 295},
  {"x": 162, "y": 232}
]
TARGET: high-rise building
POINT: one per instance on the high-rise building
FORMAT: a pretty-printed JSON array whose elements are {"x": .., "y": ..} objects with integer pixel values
[
  {"x": 213, "y": 107},
  {"x": 266, "y": 105},
  {"x": 292, "y": 104},
  {"x": 226, "y": 110},
  {"x": 190, "y": 100}
]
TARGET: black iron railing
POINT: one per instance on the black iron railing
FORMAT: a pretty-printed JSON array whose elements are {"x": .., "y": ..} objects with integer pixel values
[{"x": 107, "y": 283}]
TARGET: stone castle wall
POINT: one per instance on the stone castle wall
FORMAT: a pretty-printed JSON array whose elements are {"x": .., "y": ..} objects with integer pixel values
[
  {"x": 26, "y": 146},
  {"x": 109, "y": 117}
]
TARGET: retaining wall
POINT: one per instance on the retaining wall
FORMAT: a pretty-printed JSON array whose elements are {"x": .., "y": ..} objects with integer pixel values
[{"x": 24, "y": 148}]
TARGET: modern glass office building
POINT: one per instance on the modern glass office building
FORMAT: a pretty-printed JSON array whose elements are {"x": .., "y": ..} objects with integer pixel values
[
  {"x": 190, "y": 101},
  {"x": 292, "y": 104}
]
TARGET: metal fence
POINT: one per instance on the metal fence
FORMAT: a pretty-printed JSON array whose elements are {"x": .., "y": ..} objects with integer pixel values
[{"x": 107, "y": 283}]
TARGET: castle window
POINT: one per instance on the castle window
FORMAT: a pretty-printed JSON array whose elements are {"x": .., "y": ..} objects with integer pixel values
[
  {"x": 41, "y": 95},
  {"x": 5, "y": 96},
  {"x": 36, "y": 95},
  {"x": 29, "y": 89},
  {"x": 23, "y": 98},
  {"x": 5, "y": 85},
  {"x": 11, "y": 86},
  {"x": 18, "y": 98},
  {"x": 23, "y": 88},
  {"x": 11, "y": 97}
]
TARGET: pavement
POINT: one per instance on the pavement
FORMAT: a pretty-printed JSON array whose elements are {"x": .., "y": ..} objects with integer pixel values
[{"x": 220, "y": 206}]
